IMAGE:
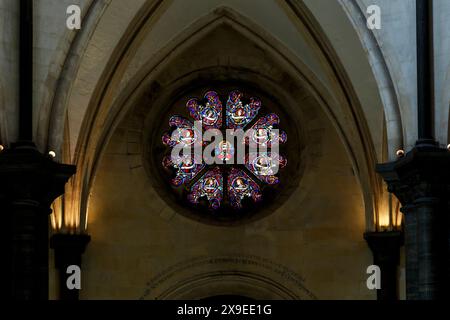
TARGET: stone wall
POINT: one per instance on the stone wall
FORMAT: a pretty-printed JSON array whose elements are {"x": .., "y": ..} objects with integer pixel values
[
  {"x": 142, "y": 248},
  {"x": 378, "y": 76}
]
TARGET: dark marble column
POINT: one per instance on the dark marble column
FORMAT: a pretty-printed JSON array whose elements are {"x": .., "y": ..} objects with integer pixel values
[
  {"x": 68, "y": 251},
  {"x": 29, "y": 183},
  {"x": 421, "y": 181},
  {"x": 385, "y": 248}
]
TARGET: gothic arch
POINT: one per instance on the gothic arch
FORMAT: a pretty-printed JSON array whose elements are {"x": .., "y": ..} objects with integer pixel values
[
  {"x": 395, "y": 131},
  {"x": 116, "y": 87},
  {"x": 250, "y": 276},
  {"x": 223, "y": 16},
  {"x": 61, "y": 73}
]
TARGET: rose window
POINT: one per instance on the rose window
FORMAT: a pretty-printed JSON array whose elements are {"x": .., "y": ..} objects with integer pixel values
[{"x": 222, "y": 157}]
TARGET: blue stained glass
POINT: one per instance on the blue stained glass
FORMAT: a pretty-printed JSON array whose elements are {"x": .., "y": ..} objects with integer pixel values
[
  {"x": 240, "y": 186},
  {"x": 238, "y": 114},
  {"x": 210, "y": 186}
]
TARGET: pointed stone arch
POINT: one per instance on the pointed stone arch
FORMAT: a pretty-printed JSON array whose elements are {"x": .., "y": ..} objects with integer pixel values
[
  {"x": 250, "y": 276},
  {"x": 116, "y": 87}
]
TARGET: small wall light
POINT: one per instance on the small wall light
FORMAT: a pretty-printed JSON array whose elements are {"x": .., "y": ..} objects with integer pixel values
[
  {"x": 2, "y": 148},
  {"x": 448, "y": 147},
  {"x": 52, "y": 154},
  {"x": 400, "y": 153}
]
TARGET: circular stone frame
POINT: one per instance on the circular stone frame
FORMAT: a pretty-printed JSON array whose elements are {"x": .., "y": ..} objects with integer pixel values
[{"x": 154, "y": 150}]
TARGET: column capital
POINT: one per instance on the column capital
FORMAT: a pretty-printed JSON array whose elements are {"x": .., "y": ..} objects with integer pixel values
[
  {"x": 68, "y": 248},
  {"x": 380, "y": 241},
  {"x": 423, "y": 173},
  {"x": 385, "y": 245},
  {"x": 25, "y": 173}
]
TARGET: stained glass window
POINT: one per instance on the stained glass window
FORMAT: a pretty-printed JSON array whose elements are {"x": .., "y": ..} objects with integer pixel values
[{"x": 241, "y": 160}]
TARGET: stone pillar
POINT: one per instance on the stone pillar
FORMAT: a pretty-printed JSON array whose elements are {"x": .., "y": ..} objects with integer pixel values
[
  {"x": 421, "y": 181},
  {"x": 29, "y": 183},
  {"x": 68, "y": 251},
  {"x": 385, "y": 248}
]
